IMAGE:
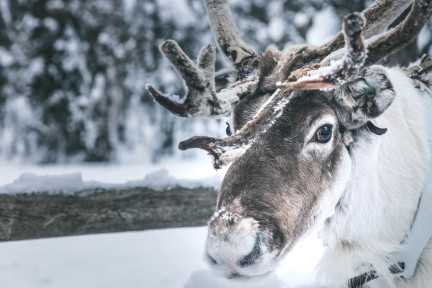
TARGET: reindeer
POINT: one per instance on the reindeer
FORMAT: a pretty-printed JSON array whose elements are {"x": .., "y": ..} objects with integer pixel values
[{"x": 317, "y": 137}]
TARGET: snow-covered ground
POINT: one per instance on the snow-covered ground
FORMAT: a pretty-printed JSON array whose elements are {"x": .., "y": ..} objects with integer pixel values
[
  {"x": 167, "y": 258},
  {"x": 155, "y": 258}
]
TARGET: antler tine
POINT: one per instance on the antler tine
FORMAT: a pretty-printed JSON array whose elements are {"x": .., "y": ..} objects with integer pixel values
[
  {"x": 356, "y": 59},
  {"x": 225, "y": 33},
  {"x": 206, "y": 64},
  {"x": 201, "y": 98},
  {"x": 226, "y": 150},
  {"x": 402, "y": 34},
  {"x": 345, "y": 69},
  {"x": 378, "y": 17},
  {"x": 355, "y": 54},
  {"x": 184, "y": 66}
]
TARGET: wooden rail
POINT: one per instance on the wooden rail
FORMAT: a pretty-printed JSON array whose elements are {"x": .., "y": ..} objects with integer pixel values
[{"x": 43, "y": 215}]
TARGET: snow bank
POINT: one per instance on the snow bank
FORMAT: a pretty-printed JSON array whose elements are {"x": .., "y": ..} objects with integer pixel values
[
  {"x": 32, "y": 183},
  {"x": 161, "y": 180},
  {"x": 188, "y": 173},
  {"x": 73, "y": 182}
]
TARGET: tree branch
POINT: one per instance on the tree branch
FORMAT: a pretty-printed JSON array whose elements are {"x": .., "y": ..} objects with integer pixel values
[{"x": 43, "y": 215}]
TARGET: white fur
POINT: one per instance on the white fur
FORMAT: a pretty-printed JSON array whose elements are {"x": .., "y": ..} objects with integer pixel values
[
  {"x": 230, "y": 153},
  {"x": 376, "y": 192},
  {"x": 227, "y": 244},
  {"x": 229, "y": 95},
  {"x": 382, "y": 196}
]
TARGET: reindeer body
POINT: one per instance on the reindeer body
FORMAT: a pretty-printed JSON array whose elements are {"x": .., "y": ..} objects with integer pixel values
[
  {"x": 306, "y": 147},
  {"x": 376, "y": 211},
  {"x": 365, "y": 216}
]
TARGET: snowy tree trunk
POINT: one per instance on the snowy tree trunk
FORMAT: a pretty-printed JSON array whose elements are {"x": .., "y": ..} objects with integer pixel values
[{"x": 43, "y": 215}]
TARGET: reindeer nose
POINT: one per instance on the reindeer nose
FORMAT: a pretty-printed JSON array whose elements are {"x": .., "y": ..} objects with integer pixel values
[
  {"x": 221, "y": 257},
  {"x": 234, "y": 248},
  {"x": 252, "y": 257}
]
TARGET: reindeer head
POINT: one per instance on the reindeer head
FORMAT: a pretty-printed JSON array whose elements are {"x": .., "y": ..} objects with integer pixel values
[{"x": 294, "y": 117}]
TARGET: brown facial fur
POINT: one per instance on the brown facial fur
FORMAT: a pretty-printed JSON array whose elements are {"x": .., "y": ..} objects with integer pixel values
[
  {"x": 273, "y": 182},
  {"x": 283, "y": 180}
]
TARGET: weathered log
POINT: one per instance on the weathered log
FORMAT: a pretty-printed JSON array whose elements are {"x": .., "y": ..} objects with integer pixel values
[{"x": 43, "y": 215}]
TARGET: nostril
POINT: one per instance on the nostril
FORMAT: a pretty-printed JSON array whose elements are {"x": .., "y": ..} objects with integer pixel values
[
  {"x": 234, "y": 276},
  {"x": 210, "y": 259},
  {"x": 252, "y": 257}
]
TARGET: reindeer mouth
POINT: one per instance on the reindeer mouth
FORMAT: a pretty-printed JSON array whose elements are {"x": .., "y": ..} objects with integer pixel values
[{"x": 240, "y": 277}]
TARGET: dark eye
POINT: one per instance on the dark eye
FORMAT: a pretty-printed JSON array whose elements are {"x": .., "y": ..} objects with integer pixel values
[
  {"x": 228, "y": 130},
  {"x": 324, "y": 133}
]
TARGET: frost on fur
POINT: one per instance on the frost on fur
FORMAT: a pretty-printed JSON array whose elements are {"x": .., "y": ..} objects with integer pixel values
[{"x": 226, "y": 150}]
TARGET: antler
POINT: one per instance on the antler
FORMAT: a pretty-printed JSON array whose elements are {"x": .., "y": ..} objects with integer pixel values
[
  {"x": 378, "y": 48},
  {"x": 226, "y": 150},
  {"x": 225, "y": 33},
  {"x": 307, "y": 69},
  {"x": 344, "y": 70},
  {"x": 378, "y": 17},
  {"x": 402, "y": 34},
  {"x": 201, "y": 98}
]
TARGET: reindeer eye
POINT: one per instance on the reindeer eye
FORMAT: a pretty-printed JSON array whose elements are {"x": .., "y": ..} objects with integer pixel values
[
  {"x": 324, "y": 133},
  {"x": 228, "y": 130}
]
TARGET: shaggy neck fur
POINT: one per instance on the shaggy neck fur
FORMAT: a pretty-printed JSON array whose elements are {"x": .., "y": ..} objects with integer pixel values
[{"x": 375, "y": 212}]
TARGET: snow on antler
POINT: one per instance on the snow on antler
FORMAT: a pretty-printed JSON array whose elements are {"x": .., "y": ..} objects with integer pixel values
[
  {"x": 319, "y": 76},
  {"x": 340, "y": 71},
  {"x": 403, "y": 34}
]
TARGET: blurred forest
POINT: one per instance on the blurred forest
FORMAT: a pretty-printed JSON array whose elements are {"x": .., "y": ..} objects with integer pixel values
[{"x": 73, "y": 72}]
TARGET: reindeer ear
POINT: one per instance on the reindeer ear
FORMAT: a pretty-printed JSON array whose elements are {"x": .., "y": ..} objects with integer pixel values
[{"x": 366, "y": 97}]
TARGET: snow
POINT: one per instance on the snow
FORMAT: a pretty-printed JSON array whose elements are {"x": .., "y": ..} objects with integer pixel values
[
  {"x": 423, "y": 38},
  {"x": 31, "y": 183},
  {"x": 172, "y": 9},
  {"x": 30, "y": 22},
  {"x": 51, "y": 24},
  {"x": 6, "y": 58},
  {"x": 275, "y": 29},
  {"x": 301, "y": 19},
  {"x": 129, "y": 4},
  {"x": 118, "y": 173},
  {"x": 155, "y": 258},
  {"x": 36, "y": 67},
  {"x": 69, "y": 179},
  {"x": 5, "y": 12},
  {"x": 326, "y": 24}
]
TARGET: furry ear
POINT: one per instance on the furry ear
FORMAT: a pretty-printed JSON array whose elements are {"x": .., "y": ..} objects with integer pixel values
[{"x": 364, "y": 98}]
